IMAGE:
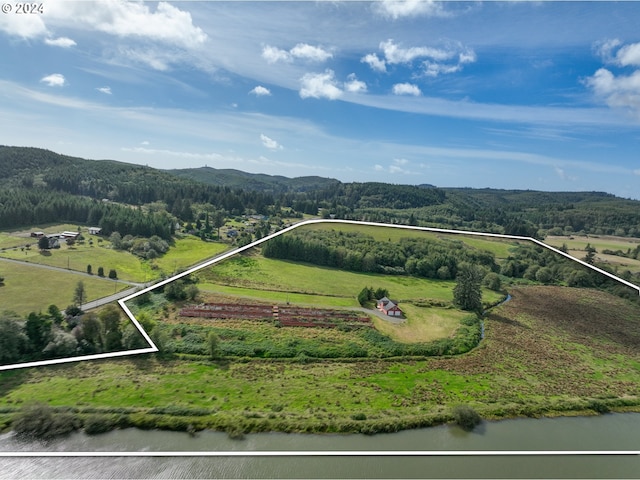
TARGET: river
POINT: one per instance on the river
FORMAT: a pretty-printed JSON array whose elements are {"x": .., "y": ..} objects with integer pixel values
[{"x": 611, "y": 432}]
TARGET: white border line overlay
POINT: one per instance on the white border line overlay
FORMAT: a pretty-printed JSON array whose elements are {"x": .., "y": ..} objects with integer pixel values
[
  {"x": 333, "y": 453},
  {"x": 152, "y": 348}
]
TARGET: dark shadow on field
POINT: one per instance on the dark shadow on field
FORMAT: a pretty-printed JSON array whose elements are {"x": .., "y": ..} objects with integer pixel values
[
  {"x": 506, "y": 321},
  {"x": 222, "y": 364},
  {"x": 12, "y": 379}
]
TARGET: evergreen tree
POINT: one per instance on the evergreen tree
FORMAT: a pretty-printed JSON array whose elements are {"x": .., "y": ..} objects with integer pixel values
[
  {"x": 80, "y": 294},
  {"x": 467, "y": 294}
]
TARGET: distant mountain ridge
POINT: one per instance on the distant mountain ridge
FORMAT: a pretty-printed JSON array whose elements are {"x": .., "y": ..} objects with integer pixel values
[
  {"x": 37, "y": 180},
  {"x": 253, "y": 181}
]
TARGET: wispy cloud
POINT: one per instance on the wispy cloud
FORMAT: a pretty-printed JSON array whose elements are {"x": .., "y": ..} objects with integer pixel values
[
  {"x": 63, "y": 42},
  {"x": 397, "y": 166},
  {"x": 446, "y": 59},
  {"x": 260, "y": 91},
  {"x": 54, "y": 80},
  {"x": 270, "y": 143},
  {"x": 105, "y": 90}
]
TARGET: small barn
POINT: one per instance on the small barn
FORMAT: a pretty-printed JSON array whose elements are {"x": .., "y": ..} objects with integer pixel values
[{"x": 94, "y": 230}]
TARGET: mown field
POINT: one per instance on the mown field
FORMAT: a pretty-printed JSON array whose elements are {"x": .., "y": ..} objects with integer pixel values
[
  {"x": 548, "y": 350},
  {"x": 29, "y": 288}
]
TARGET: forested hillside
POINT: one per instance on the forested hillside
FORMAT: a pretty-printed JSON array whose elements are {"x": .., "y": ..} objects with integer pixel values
[
  {"x": 42, "y": 186},
  {"x": 253, "y": 181}
]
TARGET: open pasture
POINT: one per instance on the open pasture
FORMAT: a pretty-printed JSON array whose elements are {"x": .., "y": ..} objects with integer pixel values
[
  {"x": 28, "y": 288},
  {"x": 186, "y": 251},
  {"x": 254, "y": 272}
]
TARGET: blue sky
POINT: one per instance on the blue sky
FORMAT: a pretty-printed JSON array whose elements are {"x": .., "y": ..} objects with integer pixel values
[{"x": 524, "y": 95}]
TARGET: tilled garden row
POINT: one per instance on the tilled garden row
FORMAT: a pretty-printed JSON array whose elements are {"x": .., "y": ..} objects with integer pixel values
[{"x": 284, "y": 316}]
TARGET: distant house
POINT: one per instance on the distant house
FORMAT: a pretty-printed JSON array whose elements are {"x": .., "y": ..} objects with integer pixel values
[
  {"x": 94, "y": 230},
  {"x": 232, "y": 233},
  {"x": 65, "y": 235},
  {"x": 37, "y": 234},
  {"x": 54, "y": 242},
  {"x": 389, "y": 307}
]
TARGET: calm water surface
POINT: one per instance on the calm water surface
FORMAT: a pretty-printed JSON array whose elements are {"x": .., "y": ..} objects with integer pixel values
[{"x": 613, "y": 432}]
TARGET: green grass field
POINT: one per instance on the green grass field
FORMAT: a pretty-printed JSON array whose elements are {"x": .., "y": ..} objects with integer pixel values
[
  {"x": 185, "y": 252},
  {"x": 28, "y": 288},
  {"x": 577, "y": 244},
  {"x": 255, "y": 273},
  {"x": 77, "y": 257},
  {"x": 422, "y": 324}
]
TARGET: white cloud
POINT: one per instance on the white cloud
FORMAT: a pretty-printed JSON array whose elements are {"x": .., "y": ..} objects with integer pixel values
[
  {"x": 452, "y": 52},
  {"x": 105, "y": 90},
  {"x": 167, "y": 24},
  {"x": 378, "y": 168},
  {"x": 636, "y": 172},
  {"x": 409, "y": 8},
  {"x": 374, "y": 62},
  {"x": 320, "y": 85},
  {"x": 406, "y": 89},
  {"x": 270, "y": 143},
  {"x": 563, "y": 175},
  {"x": 309, "y": 52},
  {"x": 274, "y": 54},
  {"x": 354, "y": 85},
  {"x": 63, "y": 42},
  {"x": 395, "y": 54},
  {"x": 260, "y": 91},
  {"x": 629, "y": 55},
  {"x": 605, "y": 49},
  {"x": 23, "y": 26},
  {"x": 54, "y": 80},
  {"x": 400, "y": 161},
  {"x": 301, "y": 51},
  {"x": 622, "y": 91}
]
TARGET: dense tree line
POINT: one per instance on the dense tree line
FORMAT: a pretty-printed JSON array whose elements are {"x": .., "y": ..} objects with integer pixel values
[
  {"x": 362, "y": 253},
  {"x": 38, "y": 205},
  {"x": 42, "y": 336}
]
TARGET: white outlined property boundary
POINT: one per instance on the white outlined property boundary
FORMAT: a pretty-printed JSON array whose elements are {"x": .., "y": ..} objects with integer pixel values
[
  {"x": 320, "y": 453},
  {"x": 231, "y": 253}
]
